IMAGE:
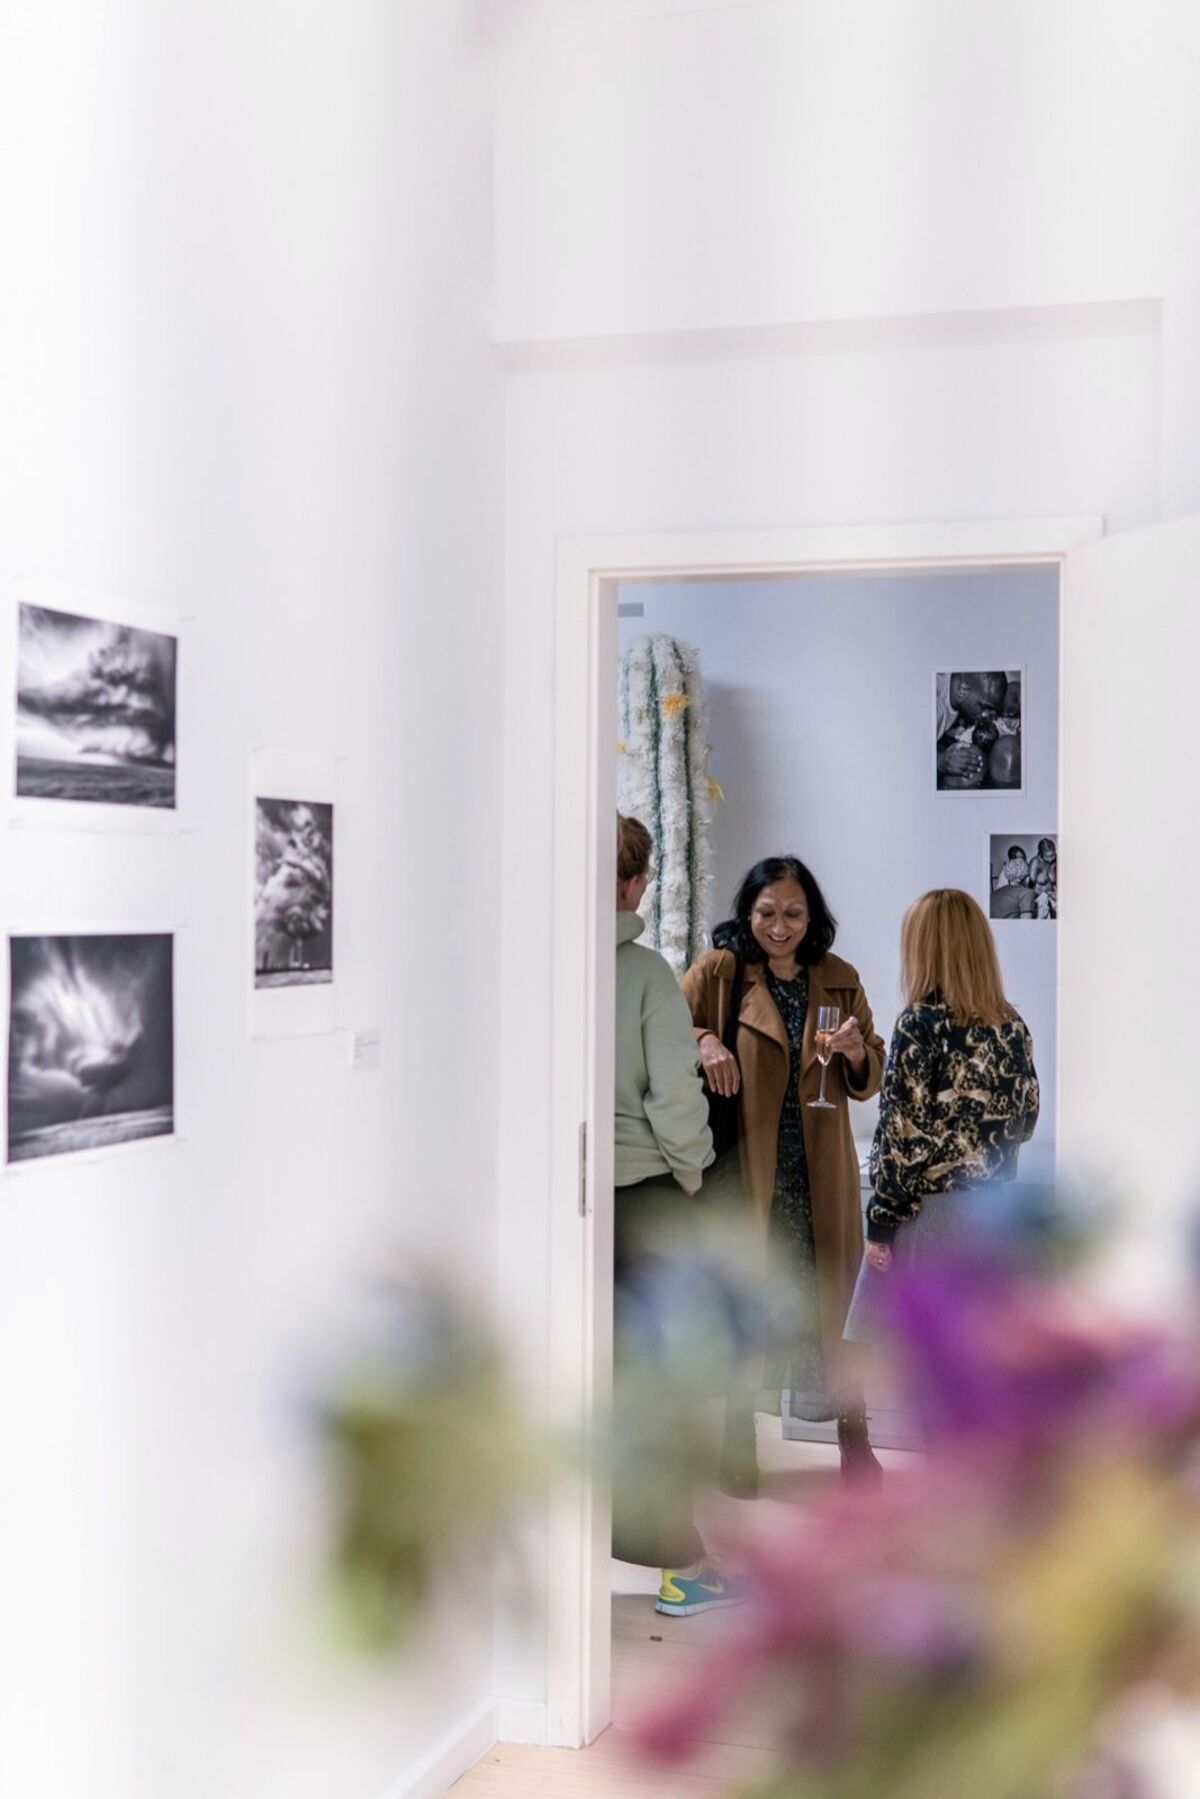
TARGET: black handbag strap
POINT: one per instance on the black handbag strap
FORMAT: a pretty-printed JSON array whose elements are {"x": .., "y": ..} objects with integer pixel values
[
  {"x": 723, "y": 1112},
  {"x": 729, "y": 1034}
]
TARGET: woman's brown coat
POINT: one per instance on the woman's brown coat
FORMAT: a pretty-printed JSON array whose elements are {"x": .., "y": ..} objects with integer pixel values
[{"x": 762, "y": 1053}]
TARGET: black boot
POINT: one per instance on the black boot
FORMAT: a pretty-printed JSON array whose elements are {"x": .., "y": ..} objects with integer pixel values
[{"x": 858, "y": 1458}]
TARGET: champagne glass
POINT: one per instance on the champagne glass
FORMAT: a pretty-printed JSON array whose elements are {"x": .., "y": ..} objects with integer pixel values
[{"x": 828, "y": 1020}]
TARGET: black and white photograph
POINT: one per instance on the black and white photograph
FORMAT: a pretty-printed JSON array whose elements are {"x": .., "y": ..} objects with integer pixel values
[
  {"x": 1024, "y": 877},
  {"x": 91, "y": 1060},
  {"x": 978, "y": 730},
  {"x": 95, "y": 710},
  {"x": 293, "y": 896}
]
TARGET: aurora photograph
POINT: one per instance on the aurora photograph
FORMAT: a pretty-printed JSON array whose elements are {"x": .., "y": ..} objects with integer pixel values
[{"x": 90, "y": 1042}]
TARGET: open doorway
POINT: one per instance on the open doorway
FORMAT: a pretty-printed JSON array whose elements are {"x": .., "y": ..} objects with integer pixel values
[
  {"x": 592, "y": 574},
  {"x": 822, "y": 698},
  {"x": 833, "y": 731}
]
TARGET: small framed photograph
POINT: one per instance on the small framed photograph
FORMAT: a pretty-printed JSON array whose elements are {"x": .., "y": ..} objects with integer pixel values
[
  {"x": 293, "y": 893},
  {"x": 293, "y": 908},
  {"x": 978, "y": 716},
  {"x": 91, "y": 725},
  {"x": 90, "y": 1041},
  {"x": 1023, "y": 877}
]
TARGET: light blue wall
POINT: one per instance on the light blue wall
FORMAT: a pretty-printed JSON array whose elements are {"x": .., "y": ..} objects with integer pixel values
[{"x": 821, "y": 695}]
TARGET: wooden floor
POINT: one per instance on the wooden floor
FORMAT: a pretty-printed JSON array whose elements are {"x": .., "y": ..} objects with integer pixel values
[{"x": 652, "y": 1653}]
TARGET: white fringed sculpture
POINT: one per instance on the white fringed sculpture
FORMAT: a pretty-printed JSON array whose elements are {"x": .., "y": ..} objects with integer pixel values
[{"x": 663, "y": 779}]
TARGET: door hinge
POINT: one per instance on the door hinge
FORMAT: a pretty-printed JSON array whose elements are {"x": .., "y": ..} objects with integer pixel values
[{"x": 583, "y": 1192}]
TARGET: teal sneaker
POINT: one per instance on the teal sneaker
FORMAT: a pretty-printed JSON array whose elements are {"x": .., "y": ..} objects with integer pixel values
[{"x": 680, "y": 1595}]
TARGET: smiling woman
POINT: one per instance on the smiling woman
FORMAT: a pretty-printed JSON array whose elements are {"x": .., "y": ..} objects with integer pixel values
[{"x": 798, "y": 1160}]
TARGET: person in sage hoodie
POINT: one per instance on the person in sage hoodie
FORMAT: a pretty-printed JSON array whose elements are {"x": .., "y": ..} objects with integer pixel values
[{"x": 662, "y": 1147}]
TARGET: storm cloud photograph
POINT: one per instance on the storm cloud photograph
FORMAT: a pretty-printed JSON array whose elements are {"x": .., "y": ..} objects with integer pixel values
[
  {"x": 95, "y": 710},
  {"x": 293, "y": 895},
  {"x": 91, "y": 1060}
]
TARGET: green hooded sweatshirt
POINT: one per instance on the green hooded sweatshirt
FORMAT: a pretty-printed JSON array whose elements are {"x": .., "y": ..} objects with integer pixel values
[{"x": 662, "y": 1113}]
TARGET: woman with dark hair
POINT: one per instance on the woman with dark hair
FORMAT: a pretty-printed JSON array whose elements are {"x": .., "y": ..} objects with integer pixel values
[{"x": 799, "y": 1166}]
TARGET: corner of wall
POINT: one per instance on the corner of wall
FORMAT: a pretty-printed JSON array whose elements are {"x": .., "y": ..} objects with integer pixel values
[
  {"x": 450, "y": 1759},
  {"x": 521, "y": 1721}
]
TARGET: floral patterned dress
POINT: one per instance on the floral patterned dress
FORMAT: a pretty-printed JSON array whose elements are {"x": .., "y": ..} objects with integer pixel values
[
  {"x": 795, "y": 1365},
  {"x": 958, "y": 1101}
]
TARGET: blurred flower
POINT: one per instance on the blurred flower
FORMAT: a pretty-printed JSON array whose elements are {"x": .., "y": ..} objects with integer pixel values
[
  {"x": 965, "y": 1629},
  {"x": 1010, "y": 1362},
  {"x": 430, "y": 1457}
]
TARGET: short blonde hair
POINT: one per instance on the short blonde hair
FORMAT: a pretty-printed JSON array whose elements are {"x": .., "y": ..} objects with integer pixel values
[
  {"x": 634, "y": 846},
  {"x": 947, "y": 948}
]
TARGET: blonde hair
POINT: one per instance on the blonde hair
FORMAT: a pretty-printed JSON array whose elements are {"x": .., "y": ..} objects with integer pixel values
[
  {"x": 634, "y": 845},
  {"x": 947, "y": 948}
]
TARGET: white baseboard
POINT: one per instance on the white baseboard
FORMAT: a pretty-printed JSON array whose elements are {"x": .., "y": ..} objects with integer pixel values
[
  {"x": 521, "y": 1721},
  {"x": 459, "y": 1750}
]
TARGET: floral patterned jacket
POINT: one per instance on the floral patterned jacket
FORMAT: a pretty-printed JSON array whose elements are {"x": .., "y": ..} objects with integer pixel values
[{"x": 956, "y": 1104}]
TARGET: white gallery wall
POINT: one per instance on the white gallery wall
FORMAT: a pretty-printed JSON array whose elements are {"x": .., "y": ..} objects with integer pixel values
[
  {"x": 246, "y": 378},
  {"x": 821, "y": 706},
  {"x": 776, "y": 160},
  {"x": 783, "y": 264},
  {"x": 755, "y": 264}
]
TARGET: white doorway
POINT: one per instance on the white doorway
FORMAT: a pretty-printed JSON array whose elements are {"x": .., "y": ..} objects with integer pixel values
[{"x": 589, "y": 575}]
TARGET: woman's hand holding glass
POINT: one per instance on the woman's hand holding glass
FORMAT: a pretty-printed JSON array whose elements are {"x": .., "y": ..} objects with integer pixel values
[
  {"x": 720, "y": 1066},
  {"x": 848, "y": 1041}
]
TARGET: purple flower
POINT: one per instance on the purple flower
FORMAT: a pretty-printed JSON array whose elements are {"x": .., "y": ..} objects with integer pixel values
[
  {"x": 917, "y": 1624},
  {"x": 847, "y": 1587},
  {"x": 1007, "y": 1361},
  {"x": 884, "y": 1598}
]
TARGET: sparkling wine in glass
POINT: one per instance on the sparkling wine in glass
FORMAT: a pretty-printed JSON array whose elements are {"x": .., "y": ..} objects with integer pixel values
[{"x": 828, "y": 1020}]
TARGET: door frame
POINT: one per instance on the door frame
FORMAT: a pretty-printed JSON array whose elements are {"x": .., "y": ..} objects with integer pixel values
[{"x": 587, "y": 573}]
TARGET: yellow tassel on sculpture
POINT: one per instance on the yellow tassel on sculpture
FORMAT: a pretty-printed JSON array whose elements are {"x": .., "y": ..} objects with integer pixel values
[{"x": 662, "y": 769}]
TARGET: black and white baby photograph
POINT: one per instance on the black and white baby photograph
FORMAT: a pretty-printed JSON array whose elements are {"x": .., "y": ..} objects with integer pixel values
[
  {"x": 95, "y": 710},
  {"x": 1024, "y": 877},
  {"x": 293, "y": 897},
  {"x": 90, "y": 1042},
  {"x": 978, "y": 730}
]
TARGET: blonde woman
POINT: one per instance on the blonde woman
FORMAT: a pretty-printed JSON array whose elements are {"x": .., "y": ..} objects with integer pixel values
[{"x": 959, "y": 1096}]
